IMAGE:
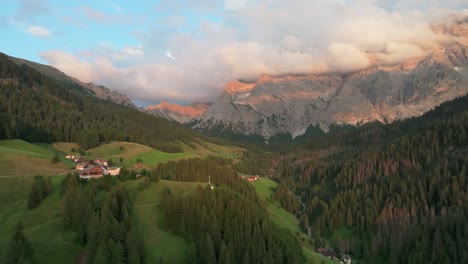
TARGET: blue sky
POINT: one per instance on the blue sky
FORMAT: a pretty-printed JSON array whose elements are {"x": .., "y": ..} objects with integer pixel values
[{"x": 187, "y": 50}]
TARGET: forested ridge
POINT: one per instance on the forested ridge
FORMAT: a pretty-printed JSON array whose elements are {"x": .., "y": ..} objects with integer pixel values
[
  {"x": 224, "y": 227},
  {"x": 226, "y": 223},
  {"x": 400, "y": 189},
  {"x": 37, "y": 108}
]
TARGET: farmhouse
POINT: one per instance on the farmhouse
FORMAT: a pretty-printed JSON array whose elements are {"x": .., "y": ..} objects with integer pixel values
[
  {"x": 92, "y": 171},
  {"x": 101, "y": 162},
  {"x": 113, "y": 171}
]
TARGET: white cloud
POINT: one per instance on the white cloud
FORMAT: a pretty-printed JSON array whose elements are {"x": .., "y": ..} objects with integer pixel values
[
  {"x": 346, "y": 57},
  {"x": 70, "y": 64},
  {"x": 251, "y": 37},
  {"x": 38, "y": 31},
  {"x": 235, "y": 4}
]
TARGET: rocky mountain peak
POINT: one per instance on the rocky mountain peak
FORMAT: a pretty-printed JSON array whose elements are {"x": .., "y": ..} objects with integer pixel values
[
  {"x": 178, "y": 113},
  {"x": 264, "y": 78},
  {"x": 236, "y": 87},
  {"x": 291, "y": 103}
]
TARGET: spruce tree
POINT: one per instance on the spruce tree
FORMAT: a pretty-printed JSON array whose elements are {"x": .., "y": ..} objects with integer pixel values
[
  {"x": 117, "y": 254},
  {"x": 101, "y": 254},
  {"x": 133, "y": 257},
  {"x": 92, "y": 235},
  {"x": 55, "y": 159},
  {"x": 19, "y": 250}
]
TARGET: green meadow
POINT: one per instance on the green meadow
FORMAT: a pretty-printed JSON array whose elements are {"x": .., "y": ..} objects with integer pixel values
[
  {"x": 42, "y": 226},
  {"x": 21, "y": 158},
  {"x": 132, "y": 152},
  {"x": 18, "y": 157},
  {"x": 160, "y": 243}
]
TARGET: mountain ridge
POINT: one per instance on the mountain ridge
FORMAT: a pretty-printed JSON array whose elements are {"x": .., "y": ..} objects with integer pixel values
[
  {"x": 179, "y": 113},
  {"x": 291, "y": 103},
  {"x": 91, "y": 89}
]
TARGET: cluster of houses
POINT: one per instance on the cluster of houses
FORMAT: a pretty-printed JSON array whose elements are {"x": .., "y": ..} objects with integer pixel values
[
  {"x": 329, "y": 253},
  {"x": 92, "y": 168}
]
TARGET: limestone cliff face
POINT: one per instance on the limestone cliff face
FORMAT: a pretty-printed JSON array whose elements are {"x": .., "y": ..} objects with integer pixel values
[
  {"x": 178, "y": 113},
  {"x": 290, "y": 103},
  {"x": 105, "y": 93}
]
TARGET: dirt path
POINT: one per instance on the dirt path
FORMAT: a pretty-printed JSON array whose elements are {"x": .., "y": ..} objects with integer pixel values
[
  {"x": 145, "y": 205},
  {"x": 43, "y": 224}
]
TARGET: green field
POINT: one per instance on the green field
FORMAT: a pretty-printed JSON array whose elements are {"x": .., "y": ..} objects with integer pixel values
[
  {"x": 281, "y": 217},
  {"x": 18, "y": 157},
  {"x": 160, "y": 243},
  {"x": 131, "y": 152},
  {"x": 65, "y": 147},
  {"x": 42, "y": 226}
]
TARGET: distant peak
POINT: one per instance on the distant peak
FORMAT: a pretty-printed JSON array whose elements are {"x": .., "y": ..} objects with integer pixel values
[
  {"x": 238, "y": 87},
  {"x": 264, "y": 78},
  {"x": 192, "y": 110}
]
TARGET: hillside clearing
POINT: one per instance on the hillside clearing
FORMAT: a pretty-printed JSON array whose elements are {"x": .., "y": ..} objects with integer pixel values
[{"x": 158, "y": 242}]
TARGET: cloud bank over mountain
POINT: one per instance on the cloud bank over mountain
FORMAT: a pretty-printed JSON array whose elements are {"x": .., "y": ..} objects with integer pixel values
[{"x": 211, "y": 43}]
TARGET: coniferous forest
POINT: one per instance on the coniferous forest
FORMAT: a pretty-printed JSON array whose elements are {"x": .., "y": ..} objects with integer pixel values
[{"x": 399, "y": 189}]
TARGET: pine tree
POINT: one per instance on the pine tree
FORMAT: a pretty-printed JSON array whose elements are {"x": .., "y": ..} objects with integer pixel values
[
  {"x": 133, "y": 257},
  {"x": 92, "y": 235},
  {"x": 207, "y": 252},
  {"x": 19, "y": 250},
  {"x": 101, "y": 254},
  {"x": 55, "y": 159},
  {"x": 117, "y": 254}
]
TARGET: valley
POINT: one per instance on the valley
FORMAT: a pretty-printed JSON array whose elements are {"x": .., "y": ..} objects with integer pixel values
[{"x": 319, "y": 132}]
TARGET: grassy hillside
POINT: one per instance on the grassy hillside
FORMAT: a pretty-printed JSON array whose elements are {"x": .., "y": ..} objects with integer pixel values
[
  {"x": 52, "y": 244},
  {"x": 281, "y": 217},
  {"x": 18, "y": 157},
  {"x": 65, "y": 147},
  {"x": 158, "y": 242},
  {"x": 131, "y": 152},
  {"x": 42, "y": 226}
]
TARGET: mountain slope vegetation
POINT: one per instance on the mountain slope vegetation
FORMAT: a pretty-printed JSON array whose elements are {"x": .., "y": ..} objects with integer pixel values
[
  {"x": 386, "y": 193},
  {"x": 37, "y": 108}
]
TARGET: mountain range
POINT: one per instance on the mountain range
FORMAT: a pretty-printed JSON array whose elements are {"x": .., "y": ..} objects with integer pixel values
[{"x": 291, "y": 103}]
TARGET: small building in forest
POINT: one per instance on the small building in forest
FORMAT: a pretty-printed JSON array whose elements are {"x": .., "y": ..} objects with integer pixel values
[
  {"x": 326, "y": 252},
  {"x": 139, "y": 165},
  {"x": 250, "y": 178}
]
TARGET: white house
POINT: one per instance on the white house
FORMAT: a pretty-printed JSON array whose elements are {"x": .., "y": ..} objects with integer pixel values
[{"x": 113, "y": 171}]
